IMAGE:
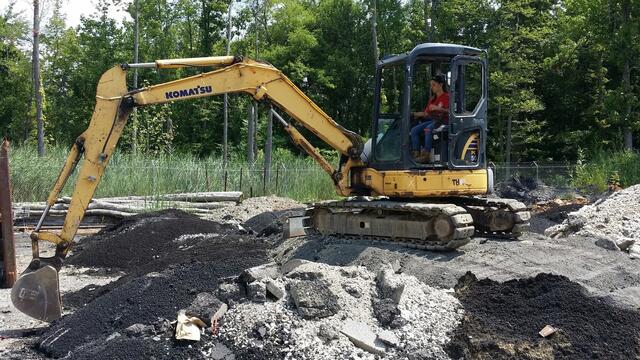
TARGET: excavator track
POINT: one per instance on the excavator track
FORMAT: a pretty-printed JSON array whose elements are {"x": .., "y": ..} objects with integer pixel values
[
  {"x": 496, "y": 217},
  {"x": 429, "y": 226}
]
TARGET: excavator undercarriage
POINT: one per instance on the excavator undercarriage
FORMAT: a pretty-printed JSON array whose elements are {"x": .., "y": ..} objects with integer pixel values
[{"x": 439, "y": 224}]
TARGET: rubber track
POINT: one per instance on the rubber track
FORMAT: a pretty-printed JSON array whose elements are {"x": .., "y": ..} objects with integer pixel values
[
  {"x": 516, "y": 207},
  {"x": 463, "y": 227}
]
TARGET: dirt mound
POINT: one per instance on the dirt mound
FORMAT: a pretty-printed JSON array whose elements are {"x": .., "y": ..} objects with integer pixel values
[
  {"x": 146, "y": 238},
  {"x": 502, "y": 321}
]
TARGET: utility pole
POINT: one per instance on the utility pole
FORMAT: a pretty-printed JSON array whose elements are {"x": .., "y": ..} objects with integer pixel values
[
  {"x": 36, "y": 75},
  {"x": 225, "y": 127},
  {"x": 134, "y": 144}
]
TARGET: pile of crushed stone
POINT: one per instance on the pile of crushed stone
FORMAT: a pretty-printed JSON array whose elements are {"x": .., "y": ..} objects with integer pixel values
[
  {"x": 525, "y": 189},
  {"x": 502, "y": 321},
  {"x": 395, "y": 314},
  {"x": 614, "y": 221}
]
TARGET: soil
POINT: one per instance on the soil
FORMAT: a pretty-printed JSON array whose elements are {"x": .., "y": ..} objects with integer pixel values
[{"x": 502, "y": 321}]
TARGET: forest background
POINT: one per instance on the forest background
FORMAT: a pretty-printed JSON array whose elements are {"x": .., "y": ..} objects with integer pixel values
[{"x": 564, "y": 82}]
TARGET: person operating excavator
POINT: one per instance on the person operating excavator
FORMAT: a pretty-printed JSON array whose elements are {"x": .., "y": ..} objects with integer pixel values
[{"x": 435, "y": 112}]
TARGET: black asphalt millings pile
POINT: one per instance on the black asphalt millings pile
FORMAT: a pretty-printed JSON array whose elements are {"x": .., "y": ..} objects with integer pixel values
[
  {"x": 142, "y": 239},
  {"x": 502, "y": 321},
  {"x": 169, "y": 258}
]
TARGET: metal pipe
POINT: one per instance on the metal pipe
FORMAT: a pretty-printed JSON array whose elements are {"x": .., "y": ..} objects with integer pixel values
[
  {"x": 6, "y": 220},
  {"x": 141, "y": 65},
  {"x": 282, "y": 121}
]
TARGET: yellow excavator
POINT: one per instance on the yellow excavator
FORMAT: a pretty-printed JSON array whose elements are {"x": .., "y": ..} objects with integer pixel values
[{"x": 390, "y": 195}]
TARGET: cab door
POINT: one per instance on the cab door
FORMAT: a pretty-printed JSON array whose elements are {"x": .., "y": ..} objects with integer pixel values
[{"x": 468, "y": 112}]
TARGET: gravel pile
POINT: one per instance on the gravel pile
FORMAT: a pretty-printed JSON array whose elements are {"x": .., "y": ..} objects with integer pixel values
[
  {"x": 413, "y": 318},
  {"x": 614, "y": 221}
]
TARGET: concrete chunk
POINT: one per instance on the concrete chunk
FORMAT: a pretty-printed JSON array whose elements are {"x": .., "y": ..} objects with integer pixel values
[
  {"x": 290, "y": 265},
  {"x": 257, "y": 273},
  {"x": 314, "y": 299},
  {"x": 361, "y": 336},
  {"x": 388, "y": 338},
  {"x": 274, "y": 289},
  {"x": 390, "y": 285},
  {"x": 634, "y": 251},
  {"x": 257, "y": 291}
]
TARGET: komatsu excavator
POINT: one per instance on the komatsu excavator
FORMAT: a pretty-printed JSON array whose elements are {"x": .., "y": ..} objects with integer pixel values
[{"x": 391, "y": 196}]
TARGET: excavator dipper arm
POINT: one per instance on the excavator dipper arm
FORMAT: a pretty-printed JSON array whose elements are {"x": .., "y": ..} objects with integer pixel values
[{"x": 36, "y": 292}]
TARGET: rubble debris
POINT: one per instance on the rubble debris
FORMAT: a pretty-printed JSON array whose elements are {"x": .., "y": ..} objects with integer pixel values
[
  {"x": 390, "y": 284},
  {"x": 188, "y": 327},
  {"x": 275, "y": 289},
  {"x": 290, "y": 265},
  {"x": 230, "y": 292},
  {"x": 389, "y": 338},
  {"x": 362, "y": 336},
  {"x": 259, "y": 273},
  {"x": 430, "y": 315},
  {"x": 547, "y": 331},
  {"x": 385, "y": 310},
  {"x": 204, "y": 306},
  {"x": 501, "y": 320},
  {"x": 615, "y": 217},
  {"x": 634, "y": 251},
  {"x": 257, "y": 291},
  {"x": 139, "y": 330},
  {"x": 313, "y": 299},
  {"x": 525, "y": 189}
]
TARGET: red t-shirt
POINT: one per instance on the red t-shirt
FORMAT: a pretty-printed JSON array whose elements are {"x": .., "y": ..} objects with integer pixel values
[{"x": 442, "y": 101}]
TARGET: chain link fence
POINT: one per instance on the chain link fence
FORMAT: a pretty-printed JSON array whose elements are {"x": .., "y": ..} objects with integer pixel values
[{"x": 558, "y": 174}]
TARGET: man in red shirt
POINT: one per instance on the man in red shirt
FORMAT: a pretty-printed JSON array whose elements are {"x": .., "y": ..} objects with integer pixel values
[{"x": 437, "y": 108}]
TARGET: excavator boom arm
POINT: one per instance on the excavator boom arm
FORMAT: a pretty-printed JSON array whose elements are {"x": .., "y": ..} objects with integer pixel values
[{"x": 36, "y": 291}]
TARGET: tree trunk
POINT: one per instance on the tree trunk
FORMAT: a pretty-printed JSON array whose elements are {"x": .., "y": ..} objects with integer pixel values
[
  {"x": 134, "y": 120},
  {"x": 268, "y": 146},
  {"x": 36, "y": 75},
  {"x": 225, "y": 126},
  {"x": 374, "y": 33},
  {"x": 626, "y": 76},
  {"x": 508, "y": 149},
  {"x": 250, "y": 135}
]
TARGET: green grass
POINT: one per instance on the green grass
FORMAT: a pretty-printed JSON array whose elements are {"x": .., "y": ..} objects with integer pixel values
[
  {"x": 602, "y": 168},
  {"x": 128, "y": 174}
]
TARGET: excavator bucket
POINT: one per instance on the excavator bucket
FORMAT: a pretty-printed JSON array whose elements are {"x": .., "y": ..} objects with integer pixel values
[{"x": 37, "y": 293}]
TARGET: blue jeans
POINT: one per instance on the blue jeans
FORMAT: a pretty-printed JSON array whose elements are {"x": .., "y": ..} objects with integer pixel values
[{"x": 424, "y": 128}]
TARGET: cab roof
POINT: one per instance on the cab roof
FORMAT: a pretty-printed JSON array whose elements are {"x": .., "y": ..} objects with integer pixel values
[{"x": 434, "y": 49}]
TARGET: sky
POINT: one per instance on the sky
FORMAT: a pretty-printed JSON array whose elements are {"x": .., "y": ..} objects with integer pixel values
[{"x": 72, "y": 9}]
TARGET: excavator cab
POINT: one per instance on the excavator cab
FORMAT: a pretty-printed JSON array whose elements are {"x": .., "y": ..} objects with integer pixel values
[{"x": 403, "y": 87}]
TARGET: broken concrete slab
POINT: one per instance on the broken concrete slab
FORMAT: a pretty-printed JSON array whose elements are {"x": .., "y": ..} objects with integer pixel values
[
  {"x": 266, "y": 271},
  {"x": 314, "y": 299},
  {"x": 291, "y": 265},
  {"x": 275, "y": 289},
  {"x": 257, "y": 291},
  {"x": 634, "y": 251},
  {"x": 361, "y": 336},
  {"x": 389, "y": 338}
]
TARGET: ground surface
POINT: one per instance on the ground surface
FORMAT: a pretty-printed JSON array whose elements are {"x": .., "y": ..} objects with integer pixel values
[{"x": 162, "y": 266}]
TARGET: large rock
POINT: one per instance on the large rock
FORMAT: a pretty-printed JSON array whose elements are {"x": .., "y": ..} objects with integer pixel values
[
  {"x": 314, "y": 299},
  {"x": 275, "y": 289},
  {"x": 634, "y": 251},
  {"x": 290, "y": 265},
  {"x": 361, "y": 336},
  {"x": 204, "y": 306},
  {"x": 262, "y": 272},
  {"x": 389, "y": 338},
  {"x": 390, "y": 285},
  {"x": 257, "y": 291}
]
